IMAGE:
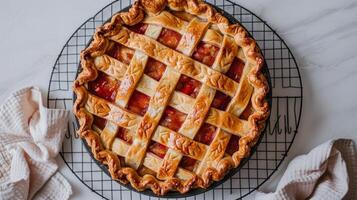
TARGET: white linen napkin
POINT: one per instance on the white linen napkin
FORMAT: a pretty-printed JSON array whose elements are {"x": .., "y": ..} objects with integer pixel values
[
  {"x": 328, "y": 172},
  {"x": 30, "y": 139}
]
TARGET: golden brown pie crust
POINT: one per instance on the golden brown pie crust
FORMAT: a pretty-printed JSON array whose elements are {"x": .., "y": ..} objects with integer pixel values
[{"x": 214, "y": 162}]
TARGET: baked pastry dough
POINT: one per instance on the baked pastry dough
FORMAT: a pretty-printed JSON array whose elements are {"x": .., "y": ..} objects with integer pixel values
[{"x": 171, "y": 95}]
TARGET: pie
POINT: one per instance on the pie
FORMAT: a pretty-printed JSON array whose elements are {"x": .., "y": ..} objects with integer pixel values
[{"x": 171, "y": 96}]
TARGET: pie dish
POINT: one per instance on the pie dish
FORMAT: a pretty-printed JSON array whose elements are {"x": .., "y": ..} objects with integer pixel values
[{"x": 171, "y": 96}]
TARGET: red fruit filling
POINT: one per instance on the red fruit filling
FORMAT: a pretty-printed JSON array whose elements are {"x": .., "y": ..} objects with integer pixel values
[
  {"x": 206, "y": 134},
  {"x": 139, "y": 28},
  {"x": 155, "y": 69},
  {"x": 236, "y": 69},
  {"x": 138, "y": 103},
  {"x": 247, "y": 112},
  {"x": 187, "y": 163},
  {"x": 104, "y": 86},
  {"x": 123, "y": 134},
  {"x": 188, "y": 86},
  {"x": 157, "y": 149},
  {"x": 205, "y": 53},
  {"x": 172, "y": 118},
  {"x": 169, "y": 38},
  {"x": 221, "y": 100},
  {"x": 121, "y": 53},
  {"x": 99, "y": 122},
  {"x": 233, "y": 144}
]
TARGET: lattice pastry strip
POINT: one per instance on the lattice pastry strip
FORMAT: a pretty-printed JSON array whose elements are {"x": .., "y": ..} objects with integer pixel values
[
  {"x": 215, "y": 117},
  {"x": 170, "y": 21},
  {"x": 176, "y": 60},
  {"x": 151, "y": 118},
  {"x": 121, "y": 117},
  {"x": 224, "y": 60},
  {"x": 173, "y": 152},
  {"x": 111, "y": 112},
  {"x": 226, "y": 54},
  {"x": 215, "y": 151},
  {"x": 186, "y": 45},
  {"x": 108, "y": 134},
  {"x": 151, "y": 161},
  {"x": 129, "y": 77},
  {"x": 135, "y": 70},
  {"x": 230, "y": 72},
  {"x": 163, "y": 135},
  {"x": 194, "y": 31},
  {"x": 168, "y": 138},
  {"x": 172, "y": 158},
  {"x": 189, "y": 128},
  {"x": 240, "y": 101},
  {"x": 184, "y": 103}
]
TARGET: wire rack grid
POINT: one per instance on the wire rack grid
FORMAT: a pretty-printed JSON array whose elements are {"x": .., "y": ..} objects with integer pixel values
[{"x": 276, "y": 140}]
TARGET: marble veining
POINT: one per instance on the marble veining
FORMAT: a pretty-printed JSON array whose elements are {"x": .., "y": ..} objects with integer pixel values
[{"x": 321, "y": 34}]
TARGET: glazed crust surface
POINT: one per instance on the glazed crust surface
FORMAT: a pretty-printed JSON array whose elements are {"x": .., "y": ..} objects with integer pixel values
[{"x": 193, "y": 19}]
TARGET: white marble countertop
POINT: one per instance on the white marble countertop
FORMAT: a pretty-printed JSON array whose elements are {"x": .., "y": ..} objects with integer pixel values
[{"x": 321, "y": 34}]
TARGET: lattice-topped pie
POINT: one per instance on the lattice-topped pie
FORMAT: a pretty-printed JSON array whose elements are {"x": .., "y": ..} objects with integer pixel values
[{"x": 171, "y": 95}]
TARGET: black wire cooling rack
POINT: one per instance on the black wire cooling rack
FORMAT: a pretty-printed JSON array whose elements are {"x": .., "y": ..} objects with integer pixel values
[{"x": 277, "y": 139}]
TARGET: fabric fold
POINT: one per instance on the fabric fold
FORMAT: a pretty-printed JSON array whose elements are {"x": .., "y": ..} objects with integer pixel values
[
  {"x": 326, "y": 172},
  {"x": 31, "y": 136}
]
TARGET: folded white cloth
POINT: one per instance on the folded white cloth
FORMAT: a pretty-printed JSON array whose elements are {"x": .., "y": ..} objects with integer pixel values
[
  {"x": 328, "y": 172},
  {"x": 30, "y": 139}
]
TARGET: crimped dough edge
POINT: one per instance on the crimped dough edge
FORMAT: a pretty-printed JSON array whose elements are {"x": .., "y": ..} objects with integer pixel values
[{"x": 256, "y": 78}]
